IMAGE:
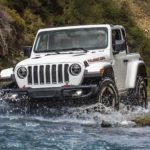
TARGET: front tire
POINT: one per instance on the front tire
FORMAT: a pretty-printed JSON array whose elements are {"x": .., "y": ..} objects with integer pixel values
[{"x": 108, "y": 94}]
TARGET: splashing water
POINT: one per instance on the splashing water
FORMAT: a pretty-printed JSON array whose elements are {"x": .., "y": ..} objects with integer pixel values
[
  {"x": 93, "y": 114},
  {"x": 67, "y": 128}
]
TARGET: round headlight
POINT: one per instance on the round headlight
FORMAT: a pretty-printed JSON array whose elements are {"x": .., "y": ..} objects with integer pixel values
[
  {"x": 22, "y": 72},
  {"x": 75, "y": 69}
]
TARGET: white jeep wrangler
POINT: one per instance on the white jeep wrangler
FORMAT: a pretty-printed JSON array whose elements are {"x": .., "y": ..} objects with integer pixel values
[{"x": 89, "y": 62}]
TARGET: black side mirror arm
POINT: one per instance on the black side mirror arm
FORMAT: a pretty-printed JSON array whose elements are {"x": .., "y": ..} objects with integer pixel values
[{"x": 115, "y": 52}]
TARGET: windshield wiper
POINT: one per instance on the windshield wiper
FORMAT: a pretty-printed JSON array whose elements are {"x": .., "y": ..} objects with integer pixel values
[
  {"x": 80, "y": 48},
  {"x": 49, "y": 51},
  {"x": 74, "y": 48}
]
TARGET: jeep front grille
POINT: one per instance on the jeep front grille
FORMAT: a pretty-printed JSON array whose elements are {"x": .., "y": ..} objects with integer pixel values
[{"x": 48, "y": 74}]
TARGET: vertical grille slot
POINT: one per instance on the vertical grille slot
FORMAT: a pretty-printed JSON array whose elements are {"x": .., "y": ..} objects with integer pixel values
[
  {"x": 66, "y": 75},
  {"x": 53, "y": 73},
  {"x": 60, "y": 76},
  {"x": 41, "y": 74},
  {"x": 47, "y": 74},
  {"x": 29, "y": 75},
  {"x": 35, "y": 74}
]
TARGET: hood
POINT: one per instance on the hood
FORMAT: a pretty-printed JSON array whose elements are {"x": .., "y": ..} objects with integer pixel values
[{"x": 78, "y": 57}]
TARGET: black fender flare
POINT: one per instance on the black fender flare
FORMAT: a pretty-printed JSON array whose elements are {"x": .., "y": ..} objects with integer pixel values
[{"x": 108, "y": 73}]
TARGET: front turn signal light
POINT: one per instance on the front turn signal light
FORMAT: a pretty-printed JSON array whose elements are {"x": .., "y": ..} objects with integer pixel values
[{"x": 102, "y": 71}]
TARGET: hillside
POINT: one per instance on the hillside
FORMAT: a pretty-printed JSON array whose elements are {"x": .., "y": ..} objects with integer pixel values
[
  {"x": 142, "y": 16},
  {"x": 19, "y": 21},
  {"x": 140, "y": 13}
]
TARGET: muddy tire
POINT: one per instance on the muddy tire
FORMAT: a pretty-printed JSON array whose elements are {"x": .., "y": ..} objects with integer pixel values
[
  {"x": 138, "y": 95},
  {"x": 108, "y": 94}
]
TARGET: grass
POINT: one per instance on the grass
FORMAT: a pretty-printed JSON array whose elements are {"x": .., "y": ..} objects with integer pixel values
[
  {"x": 145, "y": 5},
  {"x": 142, "y": 121}
]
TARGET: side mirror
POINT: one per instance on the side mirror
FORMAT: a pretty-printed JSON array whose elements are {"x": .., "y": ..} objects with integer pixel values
[
  {"x": 27, "y": 50},
  {"x": 119, "y": 46}
]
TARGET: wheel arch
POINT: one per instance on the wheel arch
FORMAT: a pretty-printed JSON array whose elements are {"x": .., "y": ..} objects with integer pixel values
[
  {"x": 133, "y": 70},
  {"x": 109, "y": 72},
  {"x": 98, "y": 72}
]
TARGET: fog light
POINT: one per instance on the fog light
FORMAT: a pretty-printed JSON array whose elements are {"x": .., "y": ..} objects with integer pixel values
[
  {"x": 102, "y": 72},
  {"x": 77, "y": 93}
]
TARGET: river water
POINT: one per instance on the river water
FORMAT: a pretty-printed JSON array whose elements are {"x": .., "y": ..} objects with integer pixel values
[{"x": 71, "y": 129}]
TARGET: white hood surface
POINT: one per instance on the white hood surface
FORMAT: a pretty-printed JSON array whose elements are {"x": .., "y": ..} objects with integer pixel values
[{"x": 77, "y": 57}]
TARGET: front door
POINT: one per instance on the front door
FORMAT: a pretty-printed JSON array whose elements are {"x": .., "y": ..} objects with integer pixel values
[
  {"x": 120, "y": 61},
  {"x": 120, "y": 69}
]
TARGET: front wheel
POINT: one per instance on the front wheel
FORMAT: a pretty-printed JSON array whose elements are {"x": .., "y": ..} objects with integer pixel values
[{"x": 108, "y": 94}]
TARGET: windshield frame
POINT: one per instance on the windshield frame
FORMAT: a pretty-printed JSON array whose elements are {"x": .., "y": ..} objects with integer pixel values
[{"x": 70, "y": 49}]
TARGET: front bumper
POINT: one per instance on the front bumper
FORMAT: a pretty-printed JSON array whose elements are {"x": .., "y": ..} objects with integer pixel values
[{"x": 73, "y": 92}]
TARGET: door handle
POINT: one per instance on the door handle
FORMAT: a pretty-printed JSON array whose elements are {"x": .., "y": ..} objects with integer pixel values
[{"x": 125, "y": 60}]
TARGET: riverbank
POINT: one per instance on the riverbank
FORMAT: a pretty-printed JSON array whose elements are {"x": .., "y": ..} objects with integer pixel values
[{"x": 142, "y": 121}]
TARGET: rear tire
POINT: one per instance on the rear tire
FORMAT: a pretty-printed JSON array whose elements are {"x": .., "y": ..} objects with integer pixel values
[
  {"x": 138, "y": 95},
  {"x": 108, "y": 94}
]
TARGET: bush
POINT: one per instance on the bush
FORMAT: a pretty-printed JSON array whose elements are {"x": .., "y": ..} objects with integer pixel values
[{"x": 32, "y": 24}]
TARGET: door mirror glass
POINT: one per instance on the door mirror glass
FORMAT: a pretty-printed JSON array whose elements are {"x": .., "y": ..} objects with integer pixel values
[{"x": 118, "y": 46}]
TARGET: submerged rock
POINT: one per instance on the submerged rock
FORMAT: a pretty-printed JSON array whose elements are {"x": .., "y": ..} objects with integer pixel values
[
  {"x": 126, "y": 123},
  {"x": 106, "y": 124}
]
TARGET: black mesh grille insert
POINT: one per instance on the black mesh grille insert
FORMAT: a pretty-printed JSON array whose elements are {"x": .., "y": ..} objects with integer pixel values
[
  {"x": 29, "y": 75},
  {"x": 60, "y": 76},
  {"x": 47, "y": 74},
  {"x": 54, "y": 73},
  {"x": 66, "y": 74},
  {"x": 41, "y": 74},
  {"x": 35, "y": 74}
]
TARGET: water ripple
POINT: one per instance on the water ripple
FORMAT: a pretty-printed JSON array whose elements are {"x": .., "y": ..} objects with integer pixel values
[{"x": 71, "y": 128}]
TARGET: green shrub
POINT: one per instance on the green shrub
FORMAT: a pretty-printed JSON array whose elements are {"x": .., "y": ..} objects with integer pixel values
[
  {"x": 32, "y": 24},
  {"x": 16, "y": 19}
]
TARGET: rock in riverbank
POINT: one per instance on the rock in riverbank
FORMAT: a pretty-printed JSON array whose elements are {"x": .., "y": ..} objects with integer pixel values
[
  {"x": 143, "y": 121},
  {"x": 125, "y": 123}
]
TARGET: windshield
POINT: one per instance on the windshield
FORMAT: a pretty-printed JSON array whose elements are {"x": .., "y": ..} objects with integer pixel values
[{"x": 72, "y": 39}]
